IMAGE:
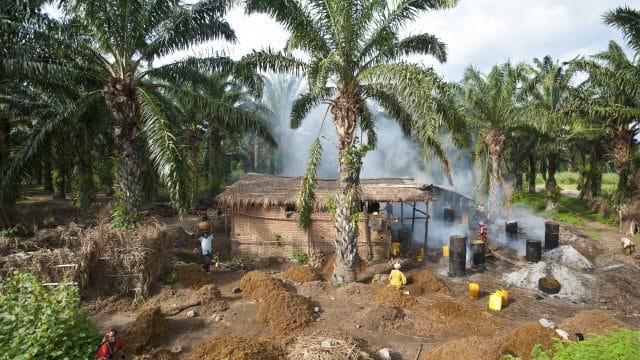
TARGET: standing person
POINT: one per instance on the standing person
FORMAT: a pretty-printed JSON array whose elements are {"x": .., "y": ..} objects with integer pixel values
[
  {"x": 482, "y": 232},
  {"x": 396, "y": 277},
  {"x": 111, "y": 346},
  {"x": 205, "y": 238}
]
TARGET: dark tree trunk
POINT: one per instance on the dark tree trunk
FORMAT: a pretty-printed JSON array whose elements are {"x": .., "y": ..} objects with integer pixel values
[
  {"x": 85, "y": 185},
  {"x": 550, "y": 184},
  {"x": 531, "y": 177},
  {"x": 47, "y": 178},
  {"x": 61, "y": 184},
  {"x": 519, "y": 182}
]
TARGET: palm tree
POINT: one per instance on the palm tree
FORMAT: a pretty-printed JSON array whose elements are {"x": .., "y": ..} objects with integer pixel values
[
  {"x": 354, "y": 58},
  {"x": 549, "y": 108},
  {"x": 626, "y": 20},
  {"x": 613, "y": 77},
  {"x": 491, "y": 106},
  {"x": 114, "y": 60}
]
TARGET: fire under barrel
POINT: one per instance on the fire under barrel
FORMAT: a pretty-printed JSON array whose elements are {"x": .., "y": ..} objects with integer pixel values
[
  {"x": 551, "y": 235},
  {"x": 477, "y": 252},
  {"x": 511, "y": 230},
  {"x": 533, "y": 250},
  {"x": 457, "y": 255},
  {"x": 449, "y": 215}
]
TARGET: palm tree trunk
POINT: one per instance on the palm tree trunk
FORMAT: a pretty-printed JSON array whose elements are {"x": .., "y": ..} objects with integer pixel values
[
  {"x": 345, "y": 110},
  {"x": 532, "y": 173},
  {"x": 495, "y": 142},
  {"x": 121, "y": 98},
  {"x": 46, "y": 175},
  {"x": 551, "y": 185}
]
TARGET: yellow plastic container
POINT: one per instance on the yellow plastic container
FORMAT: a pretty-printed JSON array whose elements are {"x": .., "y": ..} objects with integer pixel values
[
  {"x": 420, "y": 256},
  {"x": 395, "y": 248},
  {"x": 474, "y": 291},
  {"x": 495, "y": 302},
  {"x": 505, "y": 297},
  {"x": 445, "y": 250}
]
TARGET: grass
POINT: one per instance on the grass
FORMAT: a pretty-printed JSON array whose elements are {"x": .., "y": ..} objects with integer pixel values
[
  {"x": 569, "y": 210},
  {"x": 569, "y": 180}
]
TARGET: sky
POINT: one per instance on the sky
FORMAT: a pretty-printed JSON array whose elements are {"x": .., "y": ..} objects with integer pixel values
[{"x": 481, "y": 33}]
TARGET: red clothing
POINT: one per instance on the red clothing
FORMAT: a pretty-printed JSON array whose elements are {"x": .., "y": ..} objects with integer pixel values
[{"x": 107, "y": 352}]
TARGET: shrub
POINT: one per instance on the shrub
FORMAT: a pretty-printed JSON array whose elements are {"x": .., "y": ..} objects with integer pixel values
[
  {"x": 301, "y": 257},
  {"x": 41, "y": 323}
]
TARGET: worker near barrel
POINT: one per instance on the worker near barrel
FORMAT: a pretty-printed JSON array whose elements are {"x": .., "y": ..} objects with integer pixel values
[{"x": 396, "y": 277}]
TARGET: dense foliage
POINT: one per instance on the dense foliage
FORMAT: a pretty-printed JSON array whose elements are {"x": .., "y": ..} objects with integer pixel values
[{"x": 41, "y": 323}]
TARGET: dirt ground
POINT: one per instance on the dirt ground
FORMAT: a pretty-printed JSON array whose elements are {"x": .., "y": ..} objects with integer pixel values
[{"x": 276, "y": 310}]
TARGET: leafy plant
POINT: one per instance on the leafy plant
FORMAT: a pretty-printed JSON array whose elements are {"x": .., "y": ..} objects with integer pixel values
[
  {"x": 10, "y": 231},
  {"x": 41, "y": 323},
  {"x": 173, "y": 274},
  {"x": 620, "y": 344},
  {"x": 301, "y": 257}
]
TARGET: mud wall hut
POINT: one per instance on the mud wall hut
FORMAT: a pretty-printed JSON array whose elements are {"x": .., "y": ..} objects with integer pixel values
[{"x": 261, "y": 211}]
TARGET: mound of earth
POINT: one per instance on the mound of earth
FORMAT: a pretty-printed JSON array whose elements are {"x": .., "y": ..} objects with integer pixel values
[
  {"x": 257, "y": 285},
  {"x": 148, "y": 331},
  {"x": 300, "y": 274},
  {"x": 313, "y": 289},
  {"x": 192, "y": 276},
  {"x": 591, "y": 321},
  {"x": 211, "y": 299},
  {"x": 395, "y": 297},
  {"x": 429, "y": 282},
  {"x": 573, "y": 283},
  {"x": 283, "y": 312},
  {"x": 378, "y": 317},
  {"x": 473, "y": 347},
  {"x": 236, "y": 349},
  {"x": 450, "y": 318},
  {"x": 521, "y": 340},
  {"x": 324, "y": 345}
]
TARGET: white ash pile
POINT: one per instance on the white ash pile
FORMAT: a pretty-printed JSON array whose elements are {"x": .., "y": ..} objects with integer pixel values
[{"x": 565, "y": 264}]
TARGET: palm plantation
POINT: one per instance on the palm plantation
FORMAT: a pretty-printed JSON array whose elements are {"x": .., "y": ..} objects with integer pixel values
[
  {"x": 354, "y": 61},
  {"x": 115, "y": 61}
]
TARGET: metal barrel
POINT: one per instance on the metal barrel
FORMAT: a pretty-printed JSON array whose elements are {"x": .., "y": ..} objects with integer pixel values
[{"x": 457, "y": 255}]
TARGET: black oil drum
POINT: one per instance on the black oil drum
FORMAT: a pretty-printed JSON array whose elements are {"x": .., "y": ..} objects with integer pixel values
[
  {"x": 477, "y": 252},
  {"x": 511, "y": 229},
  {"x": 551, "y": 241},
  {"x": 457, "y": 255},
  {"x": 534, "y": 249}
]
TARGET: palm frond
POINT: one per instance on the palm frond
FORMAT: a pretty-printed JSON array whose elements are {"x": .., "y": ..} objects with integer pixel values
[
  {"x": 305, "y": 102},
  {"x": 626, "y": 20},
  {"x": 168, "y": 158},
  {"x": 306, "y": 201},
  {"x": 268, "y": 60}
]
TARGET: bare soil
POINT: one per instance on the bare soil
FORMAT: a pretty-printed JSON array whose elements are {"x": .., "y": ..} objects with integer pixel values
[{"x": 285, "y": 307}]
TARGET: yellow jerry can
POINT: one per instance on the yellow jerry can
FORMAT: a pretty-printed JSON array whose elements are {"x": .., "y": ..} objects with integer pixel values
[
  {"x": 474, "y": 291},
  {"x": 445, "y": 250},
  {"x": 495, "y": 302},
  {"x": 420, "y": 256},
  {"x": 395, "y": 248},
  {"x": 505, "y": 297}
]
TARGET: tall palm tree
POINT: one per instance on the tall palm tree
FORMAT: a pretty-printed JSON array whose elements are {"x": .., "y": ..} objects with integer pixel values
[
  {"x": 353, "y": 57},
  {"x": 626, "y": 20},
  {"x": 114, "y": 59},
  {"x": 549, "y": 107},
  {"x": 490, "y": 102},
  {"x": 617, "y": 105}
]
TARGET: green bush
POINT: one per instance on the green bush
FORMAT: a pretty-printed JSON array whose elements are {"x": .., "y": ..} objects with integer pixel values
[
  {"x": 301, "y": 257},
  {"x": 41, "y": 323},
  {"x": 620, "y": 344}
]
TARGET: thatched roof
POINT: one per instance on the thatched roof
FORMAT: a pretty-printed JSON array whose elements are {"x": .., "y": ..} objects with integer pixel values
[{"x": 267, "y": 191}]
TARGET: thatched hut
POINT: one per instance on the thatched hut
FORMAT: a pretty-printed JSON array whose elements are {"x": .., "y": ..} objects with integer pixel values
[{"x": 262, "y": 220}]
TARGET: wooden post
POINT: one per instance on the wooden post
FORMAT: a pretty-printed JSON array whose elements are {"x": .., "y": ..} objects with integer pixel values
[
  {"x": 426, "y": 225},
  {"x": 367, "y": 235},
  {"x": 413, "y": 217}
]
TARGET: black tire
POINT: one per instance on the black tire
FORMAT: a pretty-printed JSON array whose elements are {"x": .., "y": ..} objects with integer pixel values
[{"x": 549, "y": 285}]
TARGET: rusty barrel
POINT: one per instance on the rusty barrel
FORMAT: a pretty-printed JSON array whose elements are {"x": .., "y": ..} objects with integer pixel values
[
  {"x": 457, "y": 255},
  {"x": 551, "y": 235},
  {"x": 511, "y": 230},
  {"x": 533, "y": 250},
  {"x": 477, "y": 252}
]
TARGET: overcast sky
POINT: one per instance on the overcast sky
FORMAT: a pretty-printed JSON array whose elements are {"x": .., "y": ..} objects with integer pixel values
[{"x": 480, "y": 32}]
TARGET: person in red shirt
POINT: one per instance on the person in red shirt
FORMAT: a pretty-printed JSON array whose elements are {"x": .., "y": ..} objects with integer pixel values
[{"x": 111, "y": 346}]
